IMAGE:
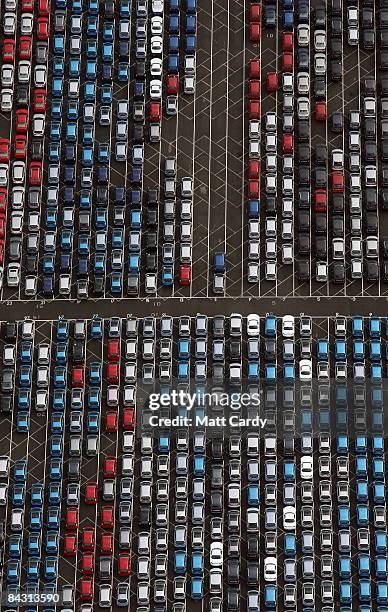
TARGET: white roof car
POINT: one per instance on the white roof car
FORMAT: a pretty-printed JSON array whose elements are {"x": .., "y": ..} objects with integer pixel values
[
  {"x": 287, "y": 254},
  {"x": 371, "y": 176},
  {"x": 7, "y": 75},
  {"x": 189, "y": 84},
  {"x": 288, "y": 82},
  {"x": 320, "y": 40},
  {"x": 253, "y": 272},
  {"x": 254, "y": 250},
  {"x": 370, "y": 107},
  {"x": 288, "y": 326},
  {"x": 303, "y": 35},
  {"x": 321, "y": 272},
  {"x": 356, "y": 268},
  {"x": 271, "y": 248},
  {"x": 338, "y": 248},
  {"x": 18, "y": 172},
  {"x": 6, "y": 98},
  {"x": 303, "y": 82},
  {"x": 270, "y": 122},
  {"x": 156, "y": 66},
  {"x": 320, "y": 64},
  {"x": 254, "y": 148},
  {"x": 187, "y": 187},
  {"x": 303, "y": 108},
  {"x": 189, "y": 64},
  {"x": 155, "y": 89},
  {"x": 40, "y": 75},
  {"x": 372, "y": 247},
  {"x": 253, "y": 325},
  {"x": 3, "y": 175},
  {"x": 216, "y": 554},
  {"x": 289, "y": 518},
  {"x": 337, "y": 159},
  {"x": 305, "y": 369},
  {"x": 9, "y": 23},
  {"x": 306, "y": 467},
  {"x": 353, "y": 36},
  {"x": 24, "y": 71},
  {"x": 150, "y": 283},
  {"x": 270, "y": 569}
]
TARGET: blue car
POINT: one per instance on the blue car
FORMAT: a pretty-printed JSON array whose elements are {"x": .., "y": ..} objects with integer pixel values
[
  {"x": 184, "y": 348},
  {"x": 55, "y": 469},
  {"x": 50, "y": 568},
  {"x": 363, "y": 561},
  {"x": 20, "y": 470},
  {"x": 91, "y": 49},
  {"x": 93, "y": 422},
  {"x": 13, "y": 571},
  {"x": 174, "y": 24},
  {"x": 59, "y": 377},
  {"x": 94, "y": 398},
  {"x": 95, "y": 373},
  {"x": 289, "y": 545},
  {"x": 197, "y": 563},
  {"x": 52, "y": 542},
  {"x": 364, "y": 590},
  {"x": 37, "y": 494},
  {"x": 54, "y": 493},
  {"x": 362, "y": 515},
  {"x": 381, "y": 542},
  {"x": 345, "y": 592},
  {"x": 190, "y": 44},
  {"x": 15, "y": 546},
  {"x": 323, "y": 349},
  {"x": 24, "y": 399},
  {"x": 18, "y": 495},
  {"x": 96, "y": 323},
  {"x": 344, "y": 567},
  {"x": 56, "y": 446},
  {"x": 33, "y": 568},
  {"x": 36, "y": 519},
  {"x": 25, "y": 376},
  {"x": 196, "y": 588},
  {"x": 23, "y": 422},
  {"x": 53, "y": 518},
  {"x": 179, "y": 562},
  {"x": 270, "y": 596},
  {"x": 381, "y": 567},
  {"x": 59, "y": 399}
]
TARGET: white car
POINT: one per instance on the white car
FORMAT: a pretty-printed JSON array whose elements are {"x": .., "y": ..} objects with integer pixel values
[
  {"x": 288, "y": 326},
  {"x": 303, "y": 83},
  {"x": 253, "y": 325},
  {"x": 155, "y": 89},
  {"x": 157, "y": 7},
  {"x": 321, "y": 272},
  {"x": 13, "y": 275},
  {"x": 7, "y": 75},
  {"x": 6, "y": 100},
  {"x": 320, "y": 40},
  {"x": 18, "y": 172},
  {"x": 320, "y": 64},
  {"x": 24, "y": 71},
  {"x": 289, "y": 518},
  {"x": 337, "y": 159},
  {"x": 306, "y": 467},
  {"x": 253, "y": 272},
  {"x": 9, "y": 24},
  {"x": 27, "y": 24},
  {"x": 303, "y": 108},
  {"x": 305, "y": 369},
  {"x": 3, "y": 175},
  {"x": 303, "y": 35},
  {"x": 216, "y": 554},
  {"x": 156, "y": 66},
  {"x": 40, "y": 76},
  {"x": 187, "y": 187},
  {"x": 38, "y": 125},
  {"x": 270, "y": 569},
  {"x": 157, "y": 25},
  {"x": 156, "y": 45}
]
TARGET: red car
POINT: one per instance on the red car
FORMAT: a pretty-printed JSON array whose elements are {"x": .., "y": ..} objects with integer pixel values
[
  {"x": 185, "y": 275},
  {"x": 70, "y": 545},
  {"x": 4, "y": 150},
  {"x": 20, "y": 148},
  {"x": 254, "y": 109},
  {"x": 86, "y": 589},
  {"x": 288, "y": 143},
  {"x": 3, "y": 199},
  {"x": 107, "y": 517},
  {"x": 254, "y": 169},
  {"x": 172, "y": 84},
  {"x": 43, "y": 8},
  {"x": 91, "y": 493},
  {"x": 21, "y": 121},
  {"x": 320, "y": 111},
  {"x": 111, "y": 422},
  {"x": 27, "y": 6},
  {"x": 254, "y": 69},
  {"x": 106, "y": 544},
  {"x": 113, "y": 373},
  {"x": 253, "y": 190},
  {"x": 2, "y": 226},
  {"x": 42, "y": 31},
  {"x": 110, "y": 467},
  {"x": 71, "y": 520},
  {"x": 254, "y": 32},
  {"x": 87, "y": 564},
  {"x": 40, "y": 100},
  {"x": 8, "y": 54},
  {"x": 128, "y": 418},
  {"x": 88, "y": 539},
  {"x": 35, "y": 174},
  {"x": 288, "y": 41},
  {"x": 255, "y": 12},
  {"x": 337, "y": 182},
  {"x": 272, "y": 81},
  {"x": 1, "y": 251},
  {"x": 25, "y": 47},
  {"x": 254, "y": 89},
  {"x": 113, "y": 350},
  {"x": 320, "y": 200},
  {"x": 155, "y": 112},
  {"x": 287, "y": 62},
  {"x": 124, "y": 564},
  {"x": 77, "y": 374}
]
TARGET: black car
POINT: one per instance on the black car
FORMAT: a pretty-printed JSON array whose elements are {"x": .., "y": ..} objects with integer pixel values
[
  {"x": 304, "y": 243},
  {"x": 367, "y": 18},
  {"x": 216, "y": 477},
  {"x": 368, "y": 39},
  {"x": 270, "y": 349},
  {"x": 153, "y": 195},
  {"x": 303, "y": 131},
  {"x": 335, "y": 48},
  {"x": 151, "y": 240},
  {"x": 336, "y": 69},
  {"x": 338, "y": 203},
  {"x": 233, "y": 600},
  {"x": 320, "y": 223},
  {"x": 270, "y": 204},
  {"x": 22, "y": 96},
  {"x": 338, "y": 272},
  {"x": 337, "y": 226},
  {"x": 217, "y": 448},
  {"x": 319, "y": 88},
  {"x": 321, "y": 247},
  {"x": 385, "y": 269},
  {"x": 133, "y": 284},
  {"x": 102, "y": 196},
  {"x": 320, "y": 155},
  {"x": 320, "y": 177},
  {"x": 252, "y": 573},
  {"x": 138, "y": 133},
  {"x": 235, "y": 350},
  {"x": 371, "y": 223},
  {"x": 304, "y": 154},
  {"x": 303, "y": 59},
  {"x": 304, "y": 175},
  {"x": 140, "y": 70},
  {"x": 151, "y": 262},
  {"x": 145, "y": 516},
  {"x": 369, "y": 85},
  {"x": 370, "y": 152},
  {"x": 233, "y": 571},
  {"x": 337, "y": 122},
  {"x": 6, "y": 404},
  {"x": 41, "y": 53},
  {"x": 384, "y": 60},
  {"x": 216, "y": 501},
  {"x": 336, "y": 27},
  {"x": 252, "y": 547},
  {"x": 269, "y": 16},
  {"x": 370, "y": 199},
  {"x": 36, "y": 149},
  {"x": 304, "y": 221},
  {"x": 31, "y": 264},
  {"x": 98, "y": 285},
  {"x": 372, "y": 270},
  {"x": 303, "y": 11},
  {"x": 10, "y": 331},
  {"x": 370, "y": 128},
  {"x": 303, "y": 270}
]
